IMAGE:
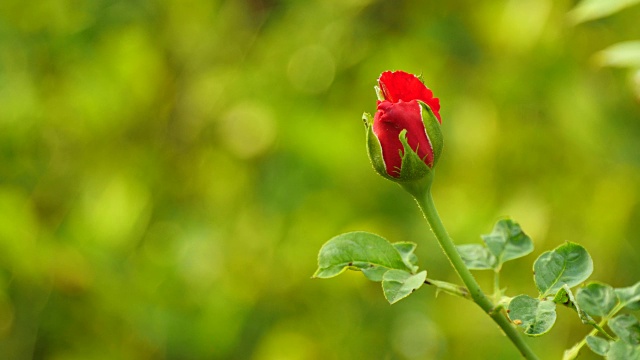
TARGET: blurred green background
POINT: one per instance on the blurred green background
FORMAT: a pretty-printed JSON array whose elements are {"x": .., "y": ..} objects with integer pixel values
[{"x": 170, "y": 169}]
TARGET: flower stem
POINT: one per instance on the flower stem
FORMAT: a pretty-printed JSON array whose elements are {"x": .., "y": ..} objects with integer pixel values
[{"x": 422, "y": 194}]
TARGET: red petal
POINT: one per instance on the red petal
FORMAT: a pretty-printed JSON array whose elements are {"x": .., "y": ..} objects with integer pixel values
[
  {"x": 399, "y": 85},
  {"x": 389, "y": 121}
]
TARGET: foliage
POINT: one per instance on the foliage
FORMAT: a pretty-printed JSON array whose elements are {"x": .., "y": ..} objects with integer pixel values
[{"x": 555, "y": 273}]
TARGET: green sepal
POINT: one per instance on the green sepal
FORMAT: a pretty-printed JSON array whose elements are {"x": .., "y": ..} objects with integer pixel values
[
  {"x": 413, "y": 168},
  {"x": 379, "y": 93},
  {"x": 374, "y": 149},
  {"x": 434, "y": 131}
]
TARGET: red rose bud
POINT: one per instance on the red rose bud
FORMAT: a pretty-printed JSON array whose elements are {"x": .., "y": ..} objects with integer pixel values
[
  {"x": 399, "y": 85},
  {"x": 404, "y": 140}
]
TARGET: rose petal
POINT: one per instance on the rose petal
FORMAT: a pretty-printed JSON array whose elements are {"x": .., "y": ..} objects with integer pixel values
[
  {"x": 399, "y": 85},
  {"x": 390, "y": 119}
]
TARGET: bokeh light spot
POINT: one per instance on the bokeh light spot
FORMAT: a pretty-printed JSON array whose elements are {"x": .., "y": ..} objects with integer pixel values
[
  {"x": 311, "y": 69},
  {"x": 248, "y": 129}
]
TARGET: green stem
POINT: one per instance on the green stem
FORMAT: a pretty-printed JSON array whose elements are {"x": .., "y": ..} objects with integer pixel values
[
  {"x": 422, "y": 194},
  {"x": 575, "y": 350},
  {"x": 497, "y": 293},
  {"x": 599, "y": 328}
]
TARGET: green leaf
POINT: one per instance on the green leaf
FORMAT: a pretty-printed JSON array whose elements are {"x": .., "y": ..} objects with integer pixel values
[
  {"x": 534, "y": 315},
  {"x": 630, "y": 296},
  {"x": 406, "y": 250},
  {"x": 507, "y": 241},
  {"x": 621, "y": 350},
  {"x": 398, "y": 284},
  {"x": 565, "y": 297},
  {"x": 371, "y": 271},
  {"x": 594, "y": 9},
  {"x": 359, "y": 250},
  {"x": 598, "y": 345},
  {"x": 624, "y": 54},
  {"x": 449, "y": 288},
  {"x": 476, "y": 257},
  {"x": 568, "y": 264},
  {"x": 597, "y": 299},
  {"x": 627, "y": 328},
  {"x": 562, "y": 297}
]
